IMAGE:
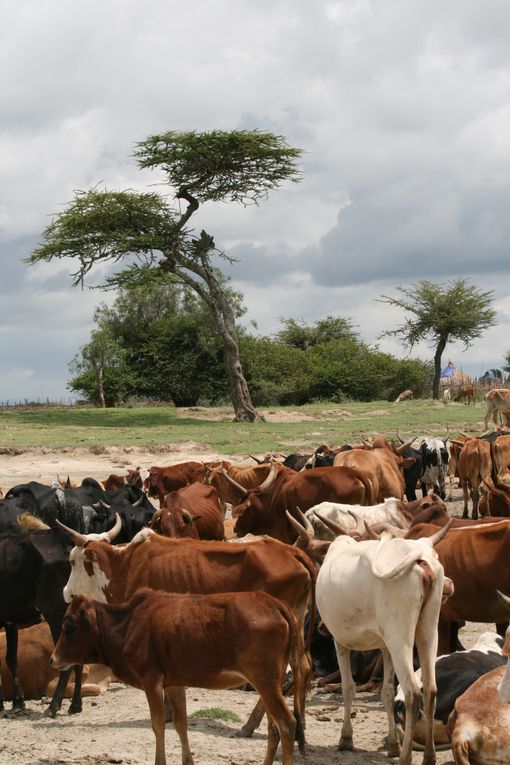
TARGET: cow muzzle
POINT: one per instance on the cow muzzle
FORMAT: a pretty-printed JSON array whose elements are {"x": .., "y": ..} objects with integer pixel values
[{"x": 57, "y": 663}]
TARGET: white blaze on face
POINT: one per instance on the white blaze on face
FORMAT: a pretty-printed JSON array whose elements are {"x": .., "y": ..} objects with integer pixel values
[{"x": 81, "y": 582}]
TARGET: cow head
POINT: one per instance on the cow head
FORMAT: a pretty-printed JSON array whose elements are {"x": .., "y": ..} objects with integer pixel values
[
  {"x": 79, "y": 636},
  {"x": 175, "y": 522},
  {"x": 87, "y": 576}
]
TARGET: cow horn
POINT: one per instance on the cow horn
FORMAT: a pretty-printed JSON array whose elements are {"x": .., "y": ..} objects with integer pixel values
[
  {"x": 138, "y": 501},
  {"x": 399, "y": 437},
  {"x": 367, "y": 444},
  {"x": 336, "y": 528},
  {"x": 101, "y": 503},
  {"x": 439, "y": 535},
  {"x": 405, "y": 445},
  {"x": 487, "y": 433},
  {"x": 78, "y": 539},
  {"x": 259, "y": 462},
  {"x": 241, "y": 489},
  {"x": 303, "y": 534},
  {"x": 370, "y": 533},
  {"x": 304, "y": 520},
  {"x": 155, "y": 518},
  {"x": 466, "y": 435},
  {"x": 186, "y": 514},
  {"x": 269, "y": 480},
  {"x": 455, "y": 442},
  {"x": 503, "y": 598},
  {"x": 115, "y": 531}
]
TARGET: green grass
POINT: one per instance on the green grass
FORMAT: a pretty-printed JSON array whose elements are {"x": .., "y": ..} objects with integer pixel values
[
  {"x": 216, "y": 713},
  {"x": 309, "y": 425}
]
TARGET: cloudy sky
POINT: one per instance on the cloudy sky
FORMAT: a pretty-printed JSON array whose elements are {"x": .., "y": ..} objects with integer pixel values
[{"x": 402, "y": 109}]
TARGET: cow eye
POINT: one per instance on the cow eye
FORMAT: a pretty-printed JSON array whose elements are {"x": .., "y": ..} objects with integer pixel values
[{"x": 69, "y": 628}]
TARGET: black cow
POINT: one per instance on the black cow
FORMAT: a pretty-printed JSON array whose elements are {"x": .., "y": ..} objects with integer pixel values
[
  {"x": 34, "y": 568},
  {"x": 455, "y": 672}
]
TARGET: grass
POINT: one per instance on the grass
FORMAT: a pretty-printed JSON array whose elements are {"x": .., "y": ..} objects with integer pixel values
[
  {"x": 286, "y": 429},
  {"x": 216, "y": 713}
]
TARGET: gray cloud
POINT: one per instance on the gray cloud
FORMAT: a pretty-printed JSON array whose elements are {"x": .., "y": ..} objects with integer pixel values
[{"x": 401, "y": 109}]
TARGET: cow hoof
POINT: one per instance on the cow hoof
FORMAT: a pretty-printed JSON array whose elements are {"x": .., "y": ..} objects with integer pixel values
[
  {"x": 50, "y": 712},
  {"x": 74, "y": 709},
  {"x": 244, "y": 732},
  {"x": 344, "y": 744},
  {"x": 394, "y": 749}
]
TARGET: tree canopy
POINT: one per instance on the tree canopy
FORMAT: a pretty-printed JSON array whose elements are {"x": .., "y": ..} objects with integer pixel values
[
  {"x": 143, "y": 228},
  {"x": 442, "y": 313}
]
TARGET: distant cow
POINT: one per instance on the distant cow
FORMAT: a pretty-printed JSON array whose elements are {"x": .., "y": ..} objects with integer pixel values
[
  {"x": 406, "y": 394},
  {"x": 466, "y": 393},
  {"x": 165, "y": 641},
  {"x": 498, "y": 400}
]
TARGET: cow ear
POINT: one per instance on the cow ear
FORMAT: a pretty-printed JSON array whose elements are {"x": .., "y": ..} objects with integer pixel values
[{"x": 408, "y": 461}]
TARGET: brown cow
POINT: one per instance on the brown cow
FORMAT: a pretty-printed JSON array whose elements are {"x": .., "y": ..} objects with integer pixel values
[
  {"x": 227, "y": 480},
  {"x": 501, "y": 457},
  {"x": 133, "y": 478},
  {"x": 496, "y": 502},
  {"x": 406, "y": 394},
  {"x": 498, "y": 400},
  {"x": 476, "y": 559},
  {"x": 474, "y": 465},
  {"x": 381, "y": 465},
  {"x": 103, "y": 572},
  {"x": 165, "y": 641},
  {"x": 263, "y": 510},
  {"x": 193, "y": 511},
  {"x": 37, "y": 677},
  {"x": 480, "y": 722},
  {"x": 467, "y": 393},
  {"x": 162, "y": 480}
]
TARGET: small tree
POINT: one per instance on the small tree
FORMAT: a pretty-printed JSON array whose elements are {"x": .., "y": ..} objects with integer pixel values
[
  {"x": 442, "y": 313},
  {"x": 298, "y": 334},
  {"x": 98, "y": 366},
  {"x": 97, "y": 226}
]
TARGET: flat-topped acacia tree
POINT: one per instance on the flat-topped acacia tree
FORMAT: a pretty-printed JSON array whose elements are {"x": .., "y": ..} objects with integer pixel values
[{"x": 100, "y": 225}]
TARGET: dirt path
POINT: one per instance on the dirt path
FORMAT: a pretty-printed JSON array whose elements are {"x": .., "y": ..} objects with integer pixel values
[{"x": 115, "y": 727}]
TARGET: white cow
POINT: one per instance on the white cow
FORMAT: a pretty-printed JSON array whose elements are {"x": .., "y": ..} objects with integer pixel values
[{"x": 386, "y": 594}]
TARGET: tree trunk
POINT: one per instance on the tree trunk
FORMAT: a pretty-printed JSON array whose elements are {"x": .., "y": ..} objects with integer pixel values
[
  {"x": 212, "y": 292},
  {"x": 437, "y": 367}
]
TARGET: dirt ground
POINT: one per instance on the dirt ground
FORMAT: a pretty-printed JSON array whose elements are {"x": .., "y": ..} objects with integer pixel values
[{"x": 115, "y": 727}]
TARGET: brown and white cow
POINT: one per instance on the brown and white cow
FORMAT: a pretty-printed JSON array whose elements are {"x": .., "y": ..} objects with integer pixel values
[
  {"x": 404, "y": 396},
  {"x": 193, "y": 511},
  {"x": 480, "y": 723},
  {"x": 164, "y": 642},
  {"x": 113, "y": 574}
]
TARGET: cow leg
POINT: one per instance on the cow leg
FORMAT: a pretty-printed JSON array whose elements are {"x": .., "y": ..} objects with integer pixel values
[
  {"x": 475, "y": 498},
  {"x": 387, "y": 697},
  {"x": 349, "y": 693},
  {"x": 281, "y": 724},
  {"x": 154, "y": 693},
  {"x": 76, "y": 706},
  {"x": 56, "y": 701},
  {"x": 501, "y": 628},
  {"x": 177, "y": 695},
  {"x": 253, "y": 721},
  {"x": 11, "y": 633},
  {"x": 427, "y": 650},
  {"x": 465, "y": 493},
  {"x": 402, "y": 659}
]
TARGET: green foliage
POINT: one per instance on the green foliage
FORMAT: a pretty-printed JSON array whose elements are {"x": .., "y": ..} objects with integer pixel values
[
  {"x": 301, "y": 335},
  {"x": 452, "y": 311},
  {"x": 216, "y": 713},
  {"x": 107, "y": 226},
  {"x": 237, "y": 166}
]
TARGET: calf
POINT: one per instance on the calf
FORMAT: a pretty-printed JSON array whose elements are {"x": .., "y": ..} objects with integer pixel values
[
  {"x": 165, "y": 641},
  {"x": 455, "y": 672}
]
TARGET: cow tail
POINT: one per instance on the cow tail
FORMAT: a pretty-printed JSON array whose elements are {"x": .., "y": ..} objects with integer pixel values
[
  {"x": 312, "y": 572},
  {"x": 369, "y": 491},
  {"x": 300, "y": 682}
]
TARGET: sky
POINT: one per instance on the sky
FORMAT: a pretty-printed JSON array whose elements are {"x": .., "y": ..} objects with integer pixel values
[{"x": 401, "y": 108}]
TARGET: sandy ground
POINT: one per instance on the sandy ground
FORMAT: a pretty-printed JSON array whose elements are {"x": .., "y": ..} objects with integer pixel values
[{"x": 115, "y": 727}]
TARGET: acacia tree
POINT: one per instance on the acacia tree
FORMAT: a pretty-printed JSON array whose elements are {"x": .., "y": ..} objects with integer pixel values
[
  {"x": 237, "y": 166},
  {"x": 441, "y": 313}
]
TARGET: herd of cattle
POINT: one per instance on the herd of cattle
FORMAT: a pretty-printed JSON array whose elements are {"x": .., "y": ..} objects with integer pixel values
[{"x": 155, "y": 590}]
